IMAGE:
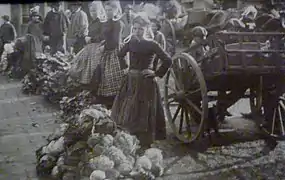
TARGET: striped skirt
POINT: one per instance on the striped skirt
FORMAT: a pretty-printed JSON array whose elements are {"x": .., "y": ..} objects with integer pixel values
[{"x": 138, "y": 109}]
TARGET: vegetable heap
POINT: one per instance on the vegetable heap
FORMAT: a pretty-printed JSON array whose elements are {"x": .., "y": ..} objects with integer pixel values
[
  {"x": 94, "y": 147},
  {"x": 49, "y": 77}
]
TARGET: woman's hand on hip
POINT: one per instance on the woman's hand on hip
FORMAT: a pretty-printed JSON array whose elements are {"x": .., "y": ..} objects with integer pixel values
[
  {"x": 148, "y": 73},
  {"x": 125, "y": 71}
]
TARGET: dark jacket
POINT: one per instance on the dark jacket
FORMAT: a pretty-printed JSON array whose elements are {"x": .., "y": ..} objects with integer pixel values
[
  {"x": 7, "y": 33},
  {"x": 55, "y": 24}
]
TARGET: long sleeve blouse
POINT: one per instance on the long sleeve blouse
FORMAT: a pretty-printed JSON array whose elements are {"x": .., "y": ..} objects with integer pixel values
[
  {"x": 142, "y": 56},
  {"x": 111, "y": 31},
  {"x": 95, "y": 30}
]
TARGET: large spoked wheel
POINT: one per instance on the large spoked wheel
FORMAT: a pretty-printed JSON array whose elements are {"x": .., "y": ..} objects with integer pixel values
[
  {"x": 277, "y": 129},
  {"x": 255, "y": 99},
  {"x": 169, "y": 32},
  {"x": 186, "y": 100}
]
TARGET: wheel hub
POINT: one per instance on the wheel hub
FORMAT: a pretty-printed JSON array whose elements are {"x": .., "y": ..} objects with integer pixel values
[{"x": 180, "y": 95}]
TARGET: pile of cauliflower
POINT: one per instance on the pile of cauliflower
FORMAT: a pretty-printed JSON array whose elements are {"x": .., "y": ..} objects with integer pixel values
[
  {"x": 94, "y": 147},
  {"x": 116, "y": 157}
]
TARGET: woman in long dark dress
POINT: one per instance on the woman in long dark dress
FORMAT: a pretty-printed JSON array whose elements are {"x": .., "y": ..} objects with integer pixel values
[{"x": 138, "y": 108}]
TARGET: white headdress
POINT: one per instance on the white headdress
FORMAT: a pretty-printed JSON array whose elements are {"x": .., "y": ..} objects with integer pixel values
[
  {"x": 35, "y": 9},
  {"x": 100, "y": 11},
  {"x": 142, "y": 17}
]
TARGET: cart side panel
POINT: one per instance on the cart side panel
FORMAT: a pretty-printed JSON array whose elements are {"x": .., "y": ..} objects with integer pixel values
[{"x": 255, "y": 56}]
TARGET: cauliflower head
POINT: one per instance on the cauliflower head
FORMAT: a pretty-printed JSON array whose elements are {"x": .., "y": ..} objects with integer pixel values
[
  {"x": 154, "y": 155},
  {"x": 126, "y": 142},
  {"x": 115, "y": 155},
  {"x": 98, "y": 175},
  {"x": 143, "y": 163},
  {"x": 101, "y": 163}
]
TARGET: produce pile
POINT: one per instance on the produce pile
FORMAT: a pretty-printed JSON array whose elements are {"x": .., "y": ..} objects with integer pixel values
[
  {"x": 55, "y": 71},
  {"x": 70, "y": 106},
  {"x": 49, "y": 78},
  {"x": 33, "y": 81},
  {"x": 94, "y": 147}
]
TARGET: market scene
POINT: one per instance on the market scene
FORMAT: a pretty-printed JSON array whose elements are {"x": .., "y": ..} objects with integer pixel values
[{"x": 142, "y": 90}]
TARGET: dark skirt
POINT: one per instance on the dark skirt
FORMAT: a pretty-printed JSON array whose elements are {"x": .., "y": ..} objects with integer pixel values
[{"x": 138, "y": 109}]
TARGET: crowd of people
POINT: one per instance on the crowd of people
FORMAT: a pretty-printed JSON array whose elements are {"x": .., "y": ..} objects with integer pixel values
[{"x": 117, "y": 55}]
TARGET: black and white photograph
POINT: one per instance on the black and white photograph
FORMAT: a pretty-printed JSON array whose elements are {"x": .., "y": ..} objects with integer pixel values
[{"x": 142, "y": 90}]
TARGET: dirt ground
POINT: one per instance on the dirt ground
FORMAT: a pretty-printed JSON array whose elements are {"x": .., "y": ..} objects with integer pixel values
[{"x": 26, "y": 121}]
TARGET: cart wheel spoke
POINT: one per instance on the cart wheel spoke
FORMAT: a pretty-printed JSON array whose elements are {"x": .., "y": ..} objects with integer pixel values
[
  {"x": 171, "y": 88},
  {"x": 181, "y": 121},
  {"x": 282, "y": 105},
  {"x": 189, "y": 92},
  {"x": 194, "y": 106},
  {"x": 176, "y": 113},
  {"x": 177, "y": 82},
  {"x": 171, "y": 101},
  {"x": 273, "y": 122},
  {"x": 281, "y": 120},
  {"x": 186, "y": 94},
  {"x": 187, "y": 118}
]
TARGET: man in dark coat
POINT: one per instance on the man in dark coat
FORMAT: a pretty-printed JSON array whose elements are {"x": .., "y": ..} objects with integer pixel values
[
  {"x": 55, "y": 27},
  {"x": 7, "y": 33}
]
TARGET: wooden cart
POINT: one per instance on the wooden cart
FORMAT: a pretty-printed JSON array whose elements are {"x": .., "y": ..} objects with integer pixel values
[{"x": 192, "y": 85}]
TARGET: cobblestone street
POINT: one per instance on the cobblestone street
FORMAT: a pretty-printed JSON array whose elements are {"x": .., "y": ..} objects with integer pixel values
[{"x": 27, "y": 120}]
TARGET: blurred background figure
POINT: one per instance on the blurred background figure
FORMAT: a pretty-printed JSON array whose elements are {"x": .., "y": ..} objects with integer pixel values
[
  {"x": 159, "y": 38},
  {"x": 127, "y": 19},
  {"x": 78, "y": 29},
  {"x": 7, "y": 32},
  {"x": 95, "y": 27},
  {"x": 55, "y": 27},
  {"x": 35, "y": 28}
]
